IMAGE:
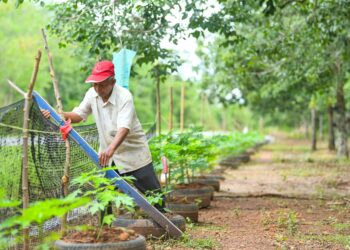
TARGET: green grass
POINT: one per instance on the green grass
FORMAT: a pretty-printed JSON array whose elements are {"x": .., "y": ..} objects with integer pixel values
[
  {"x": 201, "y": 243},
  {"x": 343, "y": 240},
  {"x": 205, "y": 227},
  {"x": 342, "y": 227},
  {"x": 186, "y": 241}
]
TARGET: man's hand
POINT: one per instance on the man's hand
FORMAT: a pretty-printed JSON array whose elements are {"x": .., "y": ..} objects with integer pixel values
[
  {"x": 106, "y": 155},
  {"x": 75, "y": 118},
  {"x": 45, "y": 113}
]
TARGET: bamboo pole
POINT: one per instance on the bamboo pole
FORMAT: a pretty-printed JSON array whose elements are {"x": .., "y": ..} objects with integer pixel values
[
  {"x": 27, "y": 103},
  {"x": 182, "y": 113},
  {"x": 171, "y": 110},
  {"x": 65, "y": 177},
  {"x": 14, "y": 86},
  {"x": 26, "y": 120}
]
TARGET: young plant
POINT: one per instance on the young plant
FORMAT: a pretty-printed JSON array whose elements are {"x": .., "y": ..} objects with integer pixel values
[
  {"x": 36, "y": 214},
  {"x": 103, "y": 193}
]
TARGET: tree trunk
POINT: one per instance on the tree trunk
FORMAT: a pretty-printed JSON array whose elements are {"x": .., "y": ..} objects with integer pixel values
[
  {"x": 223, "y": 120},
  {"x": 182, "y": 112},
  {"x": 320, "y": 127},
  {"x": 171, "y": 108},
  {"x": 306, "y": 124},
  {"x": 342, "y": 139},
  {"x": 159, "y": 115},
  {"x": 314, "y": 129},
  {"x": 331, "y": 142}
]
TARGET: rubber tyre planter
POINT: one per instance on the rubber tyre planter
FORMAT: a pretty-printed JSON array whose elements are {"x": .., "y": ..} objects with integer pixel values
[
  {"x": 208, "y": 181},
  {"x": 243, "y": 158},
  {"x": 136, "y": 244},
  {"x": 186, "y": 210},
  {"x": 148, "y": 227},
  {"x": 203, "y": 194},
  {"x": 214, "y": 176}
]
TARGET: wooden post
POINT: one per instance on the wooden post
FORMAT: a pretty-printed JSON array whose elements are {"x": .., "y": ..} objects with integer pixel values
[
  {"x": 171, "y": 108},
  {"x": 27, "y": 102},
  {"x": 320, "y": 127},
  {"x": 159, "y": 115},
  {"x": 314, "y": 129},
  {"x": 65, "y": 177},
  {"x": 182, "y": 113},
  {"x": 223, "y": 119},
  {"x": 331, "y": 136},
  {"x": 202, "y": 109}
]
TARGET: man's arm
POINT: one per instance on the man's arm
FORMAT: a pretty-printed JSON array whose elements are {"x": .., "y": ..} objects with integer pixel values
[
  {"x": 74, "y": 117},
  {"x": 118, "y": 139}
]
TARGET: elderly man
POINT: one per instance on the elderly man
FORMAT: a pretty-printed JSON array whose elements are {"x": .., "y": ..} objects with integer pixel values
[{"x": 122, "y": 140}]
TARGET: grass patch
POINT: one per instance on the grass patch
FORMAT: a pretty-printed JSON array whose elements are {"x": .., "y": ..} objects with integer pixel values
[
  {"x": 343, "y": 240},
  {"x": 205, "y": 226},
  {"x": 186, "y": 241},
  {"x": 342, "y": 227},
  {"x": 285, "y": 220},
  {"x": 201, "y": 243},
  {"x": 306, "y": 171}
]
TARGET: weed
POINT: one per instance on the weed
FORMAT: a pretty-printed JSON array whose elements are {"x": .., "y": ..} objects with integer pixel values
[
  {"x": 342, "y": 227},
  {"x": 236, "y": 211},
  {"x": 332, "y": 238},
  {"x": 205, "y": 226},
  {"x": 266, "y": 218},
  {"x": 201, "y": 243},
  {"x": 289, "y": 221}
]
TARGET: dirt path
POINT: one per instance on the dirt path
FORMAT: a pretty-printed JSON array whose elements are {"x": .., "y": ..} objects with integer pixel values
[{"x": 286, "y": 197}]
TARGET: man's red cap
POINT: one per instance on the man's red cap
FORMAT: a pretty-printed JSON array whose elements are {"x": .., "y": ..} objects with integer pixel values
[{"x": 101, "y": 72}]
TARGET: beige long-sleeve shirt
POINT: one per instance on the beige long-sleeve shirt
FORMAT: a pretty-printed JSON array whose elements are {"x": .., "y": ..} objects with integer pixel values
[{"x": 118, "y": 112}]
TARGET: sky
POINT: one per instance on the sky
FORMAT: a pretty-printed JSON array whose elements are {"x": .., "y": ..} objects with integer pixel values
[{"x": 186, "y": 48}]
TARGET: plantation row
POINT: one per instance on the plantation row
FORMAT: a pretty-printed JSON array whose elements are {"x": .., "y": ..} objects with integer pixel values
[{"x": 183, "y": 162}]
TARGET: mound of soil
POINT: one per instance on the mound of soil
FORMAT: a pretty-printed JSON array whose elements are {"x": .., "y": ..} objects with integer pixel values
[{"x": 107, "y": 234}]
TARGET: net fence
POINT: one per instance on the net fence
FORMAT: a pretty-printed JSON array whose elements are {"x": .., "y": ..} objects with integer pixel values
[{"x": 47, "y": 156}]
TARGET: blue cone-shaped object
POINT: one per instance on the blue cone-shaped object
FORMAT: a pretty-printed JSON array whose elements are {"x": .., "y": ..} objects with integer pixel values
[{"x": 122, "y": 64}]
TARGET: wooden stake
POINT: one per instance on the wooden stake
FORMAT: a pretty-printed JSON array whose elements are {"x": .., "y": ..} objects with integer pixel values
[
  {"x": 25, "y": 185},
  {"x": 182, "y": 113},
  {"x": 14, "y": 86},
  {"x": 65, "y": 177},
  {"x": 171, "y": 108},
  {"x": 27, "y": 103}
]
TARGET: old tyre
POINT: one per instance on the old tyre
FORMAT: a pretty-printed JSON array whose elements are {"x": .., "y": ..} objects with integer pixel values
[
  {"x": 136, "y": 244},
  {"x": 243, "y": 158},
  {"x": 186, "y": 210},
  {"x": 214, "y": 176},
  {"x": 208, "y": 181},
  {"x": 201, "y": 195},
  {"x": 148, "y": 227}
]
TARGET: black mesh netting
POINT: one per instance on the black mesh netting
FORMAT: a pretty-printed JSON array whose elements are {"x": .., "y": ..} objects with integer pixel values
[{"x": 47, "y": 154}]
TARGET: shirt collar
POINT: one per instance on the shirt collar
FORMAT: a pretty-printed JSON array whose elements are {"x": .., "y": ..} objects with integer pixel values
[{"x": 112, "y": 98}]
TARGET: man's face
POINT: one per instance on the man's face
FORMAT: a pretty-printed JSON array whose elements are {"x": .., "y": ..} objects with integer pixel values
[{"x": 104, "y": 88}]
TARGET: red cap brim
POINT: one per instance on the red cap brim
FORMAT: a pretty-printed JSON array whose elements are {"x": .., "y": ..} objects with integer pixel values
[{"x": 97, "y": 78}]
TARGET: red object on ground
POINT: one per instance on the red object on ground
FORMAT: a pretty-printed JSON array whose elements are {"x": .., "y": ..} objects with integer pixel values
[
  {"x": 165, "y": 165},
  {"x": 65, "y": 129}
]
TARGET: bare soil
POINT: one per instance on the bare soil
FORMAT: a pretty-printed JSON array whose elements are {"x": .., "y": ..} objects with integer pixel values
[
  {"x": 286, "y": 197},
  {"x": 97, "y": 235}
]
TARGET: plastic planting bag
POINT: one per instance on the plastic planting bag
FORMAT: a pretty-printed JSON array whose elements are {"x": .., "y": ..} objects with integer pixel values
[{"x": 122, "y": 64}]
